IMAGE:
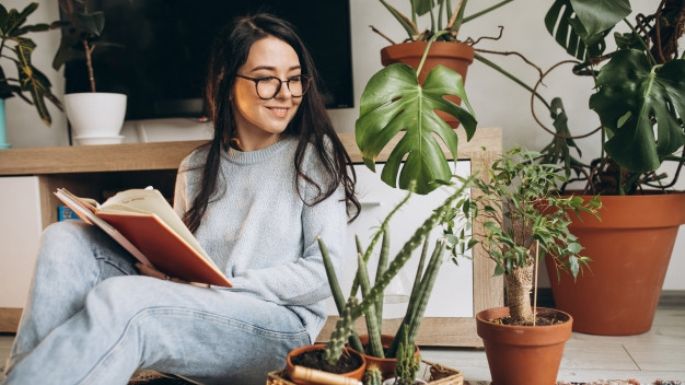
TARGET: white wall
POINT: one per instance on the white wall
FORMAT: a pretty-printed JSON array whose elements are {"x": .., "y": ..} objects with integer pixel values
[{"x": 497, "y": 101}]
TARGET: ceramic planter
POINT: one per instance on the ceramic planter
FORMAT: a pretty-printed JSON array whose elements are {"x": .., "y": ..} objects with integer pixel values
[
  {"x": 356, "y": 374},
  {"x": 630, "y": 248},
  {"x": 386, "y": 365},
  {"x": 454, "y": 55},
  {"x": 96, "y": 117},
  {"x": 522, "y": 355}
]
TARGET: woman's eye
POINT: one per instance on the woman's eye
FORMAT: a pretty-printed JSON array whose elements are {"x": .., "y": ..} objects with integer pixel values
[{"x": 297, "y": 78}]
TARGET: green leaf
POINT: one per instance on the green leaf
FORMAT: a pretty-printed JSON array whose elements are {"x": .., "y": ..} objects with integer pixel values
[
  {"x": 404, "y": 21},
  {"x": 631, "y": 96},
  {"x": 92, "y": 23},
  {"x": 422, "y": 7},
  {"x": 563, "y": 23},
  {"x": 598, "y": 16},
  {"x": 392, "y": 103}
]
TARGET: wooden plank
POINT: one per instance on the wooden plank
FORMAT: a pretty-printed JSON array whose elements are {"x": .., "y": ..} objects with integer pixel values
[
  {"x": 104, "y": 158},
  {"x": 9, "y": 319},
  {"x": 488, "y": 290},
  {"x": 434, "y": 331},
  {"x": 168, "y": 155}
]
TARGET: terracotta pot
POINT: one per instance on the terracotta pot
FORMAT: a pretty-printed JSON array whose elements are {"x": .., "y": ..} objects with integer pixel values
[
  {"x": 454, "y": 55},
  {"x": 386, "y": 365},
  {"x": 522, "y": 355},
  {"x": 356, "y": 374},
  {"x": 630, "y": 247}
]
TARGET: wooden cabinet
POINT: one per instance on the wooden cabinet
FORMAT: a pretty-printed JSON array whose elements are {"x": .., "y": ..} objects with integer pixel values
[{"x": 88, "y": 170}]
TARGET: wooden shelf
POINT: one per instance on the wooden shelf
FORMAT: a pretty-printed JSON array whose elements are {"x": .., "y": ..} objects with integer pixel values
[{"x": 168, "y": 155}]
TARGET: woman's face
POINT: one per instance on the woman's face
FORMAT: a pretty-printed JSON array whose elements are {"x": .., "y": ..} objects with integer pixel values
[{"x": 261, "y": 121}]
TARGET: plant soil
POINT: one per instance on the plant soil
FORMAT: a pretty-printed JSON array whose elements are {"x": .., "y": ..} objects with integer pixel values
[
  {"x": 316, "y": 359},
  {"x": 541, "y": 319}
]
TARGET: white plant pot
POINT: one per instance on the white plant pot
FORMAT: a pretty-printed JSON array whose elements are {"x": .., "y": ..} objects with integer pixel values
[{"x": 96, "y": 118}]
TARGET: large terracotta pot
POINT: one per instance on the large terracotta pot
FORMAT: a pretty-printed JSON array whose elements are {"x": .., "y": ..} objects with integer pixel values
[
  {"x": 356, "y": 374},
  {"x": 630, "y": 247},
  {"x": 454, "y": 55},
  {"x": 522, "y": 355}
]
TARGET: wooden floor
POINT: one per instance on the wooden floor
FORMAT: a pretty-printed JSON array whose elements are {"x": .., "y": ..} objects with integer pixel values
[{"x": 658, "y": 354}]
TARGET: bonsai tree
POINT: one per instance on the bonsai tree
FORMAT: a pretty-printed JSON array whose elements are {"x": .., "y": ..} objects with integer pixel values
[
  {"x": 638, "y": 93},
  {"x": 370, "y": 305},
  {"x": 30, "y": 84},
  {"x": 525, "y": 218},
  {"x": 81, "y": 36}
]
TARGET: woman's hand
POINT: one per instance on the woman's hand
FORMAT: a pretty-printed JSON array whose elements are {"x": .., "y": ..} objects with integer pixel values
[{"x": 152, "y": 272}]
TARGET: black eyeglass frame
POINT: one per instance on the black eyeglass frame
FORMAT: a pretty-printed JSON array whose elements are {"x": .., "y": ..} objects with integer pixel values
[{"x": 303, "y": 78}]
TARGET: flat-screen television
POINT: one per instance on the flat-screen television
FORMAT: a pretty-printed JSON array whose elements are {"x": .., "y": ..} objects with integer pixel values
[{"x": 162, "y": 61}]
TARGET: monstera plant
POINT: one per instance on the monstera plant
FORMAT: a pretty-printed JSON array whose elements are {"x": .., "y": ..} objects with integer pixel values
[
  {"x": 639, "y": 97},
  {"x": 639, "y": 90},
  {"x": 394, "y": 101}
]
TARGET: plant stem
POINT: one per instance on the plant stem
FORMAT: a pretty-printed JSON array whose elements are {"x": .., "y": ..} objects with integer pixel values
[
  {"x": 652, "y": 60},
  {"x": 535, "y": 282},
  {"x": 425, "y": 51},
  {"x": 486, "y": 10},
  {"x": 89, "y": 63},
  {"x": 513, "y": 78}
]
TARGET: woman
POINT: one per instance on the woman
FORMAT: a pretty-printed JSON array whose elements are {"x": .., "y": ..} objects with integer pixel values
[{"x": 257, "y": 197}]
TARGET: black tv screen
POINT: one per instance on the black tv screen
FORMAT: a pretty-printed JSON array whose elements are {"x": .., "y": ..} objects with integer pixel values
[{"x": 162, "y": 62}]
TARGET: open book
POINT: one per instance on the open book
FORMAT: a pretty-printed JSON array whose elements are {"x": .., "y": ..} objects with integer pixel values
[{"x": 144, "y": 224}]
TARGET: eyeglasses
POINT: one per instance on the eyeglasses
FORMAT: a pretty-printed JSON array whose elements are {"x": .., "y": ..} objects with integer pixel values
[{"x": 268, "y": 87}]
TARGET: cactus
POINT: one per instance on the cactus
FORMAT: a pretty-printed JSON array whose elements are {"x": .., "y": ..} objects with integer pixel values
[
  {"x": 375, "y": 344},
  {"x": 343, "y": 328},
  {"x": 338, "y": 297},
  {"x": 377, "y": 235},
  {"x": 382, "y": 265},
  {"x": 373, "y": 295},
  {"x": 419, "y": 298},
  {"x": 373, "y": 376},
  {"x": 407, "y": 361}
]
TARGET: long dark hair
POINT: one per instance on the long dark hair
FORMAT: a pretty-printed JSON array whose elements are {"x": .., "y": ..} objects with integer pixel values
[{"x": 310, "y": 124}]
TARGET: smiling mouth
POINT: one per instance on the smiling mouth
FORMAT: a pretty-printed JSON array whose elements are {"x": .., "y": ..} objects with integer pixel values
[{"x": 280, "y": 112}]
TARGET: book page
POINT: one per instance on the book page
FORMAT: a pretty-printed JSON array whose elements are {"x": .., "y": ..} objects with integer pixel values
[
  {"x": 84, "y": 209},
  {"x": 151, "y": 201}
]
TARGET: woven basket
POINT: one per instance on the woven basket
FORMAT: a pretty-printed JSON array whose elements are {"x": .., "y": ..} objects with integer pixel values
[{"x": 435, "y": 374}]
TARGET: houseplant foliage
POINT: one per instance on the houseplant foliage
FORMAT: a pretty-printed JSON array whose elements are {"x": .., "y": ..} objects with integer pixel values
[
  {"x": 371, "y": 302},
  {"x": 81, "y": 36},
  {"x": 638, "y": 95},
  {"x": 524, "y": 218},
  {"x": 30, "y": 84},
  {"x": 639, "y": 90}
]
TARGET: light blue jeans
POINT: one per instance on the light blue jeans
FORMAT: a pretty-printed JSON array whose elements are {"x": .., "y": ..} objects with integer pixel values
[{"x": 90, "y": 319}]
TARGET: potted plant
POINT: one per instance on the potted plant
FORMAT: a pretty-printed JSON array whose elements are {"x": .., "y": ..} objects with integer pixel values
[
  {"x": 638, "y": 96},
  {"x": 416, "y": 98},
  {"x": 524, "y": 218},
  {"x": 96, "y": 117},
  {"x": 381, "y": 356},
  {"x": 17, "y": 48}
]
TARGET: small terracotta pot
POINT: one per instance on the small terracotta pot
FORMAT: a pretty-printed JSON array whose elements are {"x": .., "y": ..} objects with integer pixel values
[
  {"x": 453, "y": 55},
  {"x": 522, "y": 355},
  {"x": 386, "y": 365},
  {"x": 630, "y": 247},
  {"x": 357, "y": 374}
]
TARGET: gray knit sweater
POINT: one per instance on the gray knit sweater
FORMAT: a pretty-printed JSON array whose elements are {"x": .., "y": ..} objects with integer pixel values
[{"x": 261, "y": 234}]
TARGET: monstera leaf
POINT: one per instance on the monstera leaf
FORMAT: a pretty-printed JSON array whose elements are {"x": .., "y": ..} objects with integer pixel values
[
  {"x": 580, "y": 26},
  {"x": 633, "y": 99},
  {"x": 393, "y": 103}
]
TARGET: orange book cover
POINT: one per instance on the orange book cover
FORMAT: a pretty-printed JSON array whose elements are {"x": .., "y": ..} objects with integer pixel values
[{"x": 144, "y": 224}]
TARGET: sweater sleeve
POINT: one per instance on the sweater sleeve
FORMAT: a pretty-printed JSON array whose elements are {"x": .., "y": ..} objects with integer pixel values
[{"x": 303, "y": 282}]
